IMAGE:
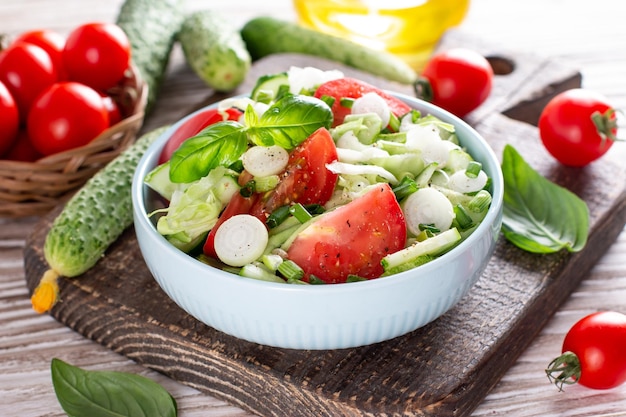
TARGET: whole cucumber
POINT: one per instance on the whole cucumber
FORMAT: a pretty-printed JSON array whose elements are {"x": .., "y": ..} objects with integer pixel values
[
  {"x": 151, "y": 27},
  {"x": 90, "y": 221},
  {"x": 267, "y": 35},
  {"x": 214, "y": 49}
]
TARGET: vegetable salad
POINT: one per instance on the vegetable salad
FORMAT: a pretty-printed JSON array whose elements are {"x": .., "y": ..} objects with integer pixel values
[{"x": 317, "y": 178}]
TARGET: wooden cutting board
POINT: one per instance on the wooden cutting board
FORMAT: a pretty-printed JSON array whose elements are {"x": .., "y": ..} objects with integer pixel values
[{"x": 443, "y": 369}]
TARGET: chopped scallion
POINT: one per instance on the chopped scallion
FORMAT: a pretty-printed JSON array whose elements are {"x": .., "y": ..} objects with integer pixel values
[
  {"x": 462, "y": 218},
  {"x": 248, "y": 189},
  {"x": 267, "y": 183},
  {"x": 299, "y": 212},
  {"x": 406, "y": 187},
  {"x": 428, "y": 228},
  {"x": 290, "y": 270},
  {"x": 277, "y": 216},
  {"x": 480, "y": 202},
  {"x": 473, "y": 169},
  {"x": 346, "y": 102}
]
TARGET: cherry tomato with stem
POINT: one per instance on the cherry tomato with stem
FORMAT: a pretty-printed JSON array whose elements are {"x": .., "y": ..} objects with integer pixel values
[
  {"x": 594, "y": 353},
  {"x": 457, "y": 80},
  {"x": 26, "y": 70},
  {"x": 578, "y": 126},
  {"x": 9, "y": 120},
  {"x": 97, "y": 54},
  {"x": 65, "y": 116}
]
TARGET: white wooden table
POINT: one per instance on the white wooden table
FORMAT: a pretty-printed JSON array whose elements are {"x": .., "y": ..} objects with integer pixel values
[{"x": 592, "y": 36}]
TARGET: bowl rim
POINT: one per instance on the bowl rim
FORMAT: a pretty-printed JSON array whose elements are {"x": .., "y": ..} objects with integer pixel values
[{"x": 493, "y": 216}]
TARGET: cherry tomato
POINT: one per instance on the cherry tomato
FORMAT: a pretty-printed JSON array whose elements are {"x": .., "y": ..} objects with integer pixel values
[
  {"x": 23, "y": 149},
  {"x": 570, "y": 131},
  {"x": 193, "y": 126},
  {"x": 353, "y": 239},
  {"x": 458, "y": 80},
  {"x": 9, "y": 119},
  {"x": 65, "y": 116},
  {"x": 97, "y": 54},
  {"x": 593, "y": 352},
  {"x": 26, "y": 70},
  {"x": 50, "y": 41},
  {"x": 113, "y": 109},
  {"x": 351, "y": 88}
]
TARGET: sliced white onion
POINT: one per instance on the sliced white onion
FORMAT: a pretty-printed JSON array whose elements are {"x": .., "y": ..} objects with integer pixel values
[
  {"x": 263, "y": 161},
  {"x": 426, "y": 139},
  {"x": 352, "y": 156},
  {"x": 240, "y": 240},
  {"x": 459, "y": 181},
  {"x": 354, "y": 169},
  {"x": 427, "y": 206},
  {"x": 349, "y": 141},
  {"x": 372, "y": 103},
  {"x": 309, "y": 77}
]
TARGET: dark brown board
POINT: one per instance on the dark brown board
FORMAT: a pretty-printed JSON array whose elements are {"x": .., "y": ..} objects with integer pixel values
[{"x": 443, "y": 369}]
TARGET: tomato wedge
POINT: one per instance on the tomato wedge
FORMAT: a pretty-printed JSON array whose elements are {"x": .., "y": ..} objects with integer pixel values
[
  {"x": 352, "y": 88},
  {"x": 305, "y": 180},
  {"x": 193, "y": 126},
  {"x": 353, "y": 239}
]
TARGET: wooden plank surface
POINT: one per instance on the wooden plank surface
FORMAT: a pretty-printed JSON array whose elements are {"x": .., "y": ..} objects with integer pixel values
[{"x": 28, "y": 342}]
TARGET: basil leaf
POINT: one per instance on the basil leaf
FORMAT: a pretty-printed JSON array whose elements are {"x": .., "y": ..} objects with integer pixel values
[
  {"x": 540, "y": 216},
  {"x": 83, "y": 393},
  {"x": 218, "y": 144},
  {"x": 289, "y": 121}
]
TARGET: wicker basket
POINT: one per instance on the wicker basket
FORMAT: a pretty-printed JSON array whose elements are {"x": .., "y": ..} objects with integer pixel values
[{"x": 34, "y": 188}]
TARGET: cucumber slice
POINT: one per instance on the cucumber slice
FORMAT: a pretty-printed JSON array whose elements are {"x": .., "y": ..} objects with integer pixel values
[
  {"x": 268, "y": 86},
  {"x": 430, "y": 247}
]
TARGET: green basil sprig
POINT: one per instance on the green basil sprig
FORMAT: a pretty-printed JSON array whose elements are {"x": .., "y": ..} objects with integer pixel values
[
  {"x": 84, "y": 393},
  {"x": 540, "y": 216},
  {"x": 287, "y": 123},
  {"x": 219, "y": 144}
]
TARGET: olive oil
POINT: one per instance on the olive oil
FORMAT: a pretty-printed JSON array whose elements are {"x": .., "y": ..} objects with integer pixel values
[{"x": 409, "y": 29}]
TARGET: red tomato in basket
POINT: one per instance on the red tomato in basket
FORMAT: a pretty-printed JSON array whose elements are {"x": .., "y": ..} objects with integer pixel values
[
  {"x": 459, "y": 80},
  {"x": 113, "y": 109},
  {"x": 352, "y": 88},
  {"x": 305, "y": 180},
  {"x": 65, "y": 116},
  {"x": 9, "y": 120},
  {"x": 193, "y": 126},
  {"x": 26, "y": 70},
  {"x": 97, "y": 54},
  {"x": 50, "y": 41},
  {"x": 23, "y": 149},
  {"x": 352, "y": 239}
]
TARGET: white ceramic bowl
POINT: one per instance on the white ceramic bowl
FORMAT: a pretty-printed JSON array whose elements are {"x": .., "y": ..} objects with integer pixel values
[{"x": 321, "y": 316}]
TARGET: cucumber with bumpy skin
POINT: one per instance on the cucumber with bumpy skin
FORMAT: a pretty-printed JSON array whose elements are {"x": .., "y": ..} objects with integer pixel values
[
  {"x": 151, "y": 27},
  {"x": 267, "y": 35},
  {"x": 214, "y": 49},
  {"x": 90, "y": 221}
]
